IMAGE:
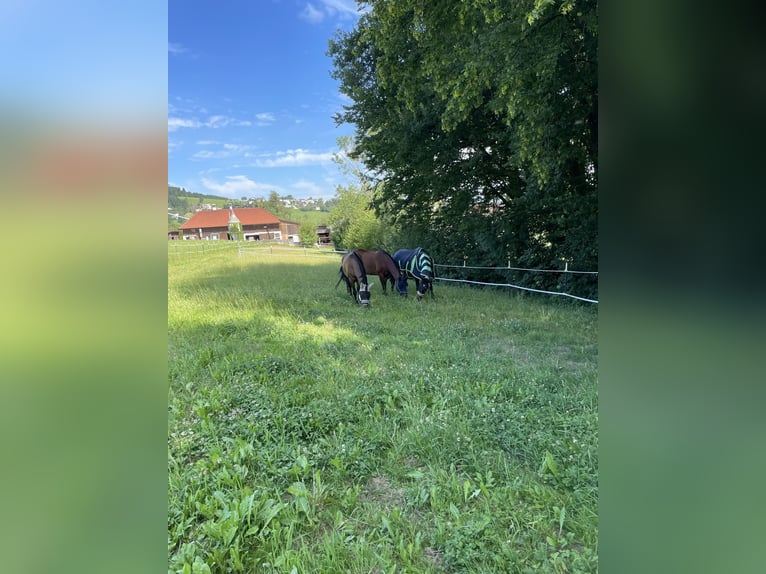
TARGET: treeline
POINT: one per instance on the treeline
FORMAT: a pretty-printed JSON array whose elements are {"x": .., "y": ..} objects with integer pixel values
[{"x": 477, "y": 125}]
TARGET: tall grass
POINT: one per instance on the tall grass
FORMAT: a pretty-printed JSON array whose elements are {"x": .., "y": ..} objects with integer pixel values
[{"x": 308, "y": 434}]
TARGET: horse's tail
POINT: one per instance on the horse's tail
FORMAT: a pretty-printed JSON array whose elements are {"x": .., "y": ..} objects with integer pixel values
[
  {"x": 342, "y": 277},
  {"x": 361, "y": 266}
]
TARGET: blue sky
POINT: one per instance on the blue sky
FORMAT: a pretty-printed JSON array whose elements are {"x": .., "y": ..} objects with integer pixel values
[{"x": 250, "y": 97}]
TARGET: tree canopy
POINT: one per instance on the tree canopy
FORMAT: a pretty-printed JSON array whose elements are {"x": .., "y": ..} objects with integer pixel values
[{"x": 477, "y": 122}]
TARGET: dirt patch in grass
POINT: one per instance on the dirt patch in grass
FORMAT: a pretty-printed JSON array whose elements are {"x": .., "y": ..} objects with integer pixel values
[
  {"x": 436, "y": 557},
  {"x": 379, "y": 490}
]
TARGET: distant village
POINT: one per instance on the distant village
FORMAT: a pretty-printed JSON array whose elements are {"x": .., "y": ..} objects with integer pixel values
[
  {"x": 304, "y": 204},
  {"x": 183, "y": 202}
]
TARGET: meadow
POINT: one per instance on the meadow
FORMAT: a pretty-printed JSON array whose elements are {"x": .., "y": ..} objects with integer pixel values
[{"x": 308, "y": 434}]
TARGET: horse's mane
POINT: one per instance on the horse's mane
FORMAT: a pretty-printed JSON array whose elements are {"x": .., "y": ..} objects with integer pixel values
[{"x": 361, "y": 266}]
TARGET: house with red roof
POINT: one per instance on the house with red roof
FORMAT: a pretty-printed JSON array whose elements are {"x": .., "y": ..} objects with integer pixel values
[{"x": 255, "y": 223}]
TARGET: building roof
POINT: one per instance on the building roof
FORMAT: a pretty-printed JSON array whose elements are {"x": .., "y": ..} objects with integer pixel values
[{"x": 220, "y": 218}]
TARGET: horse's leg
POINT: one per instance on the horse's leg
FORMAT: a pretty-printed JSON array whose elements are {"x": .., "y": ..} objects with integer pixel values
[
  {"x": 393, "y": 283},
  {"x": 383, "y": 282},
  {"x": 418, "y": 294}
]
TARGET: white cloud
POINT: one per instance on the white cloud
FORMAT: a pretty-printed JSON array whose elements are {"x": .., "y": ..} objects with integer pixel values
[
  {"x": 311, "y": 14},
  {"x": 211, "y": 170},
  {"x": 174, "y": 48},
  {"x": 239, "y": 185},
  {"x": 209, "y": 154},
  {"x": 265, "y": 119},
  {"x": 344, "y": 9},
  {"x": 227, "y": 150},
  {"x": 224, "y": 121},
  {"x": 295, "y": 157},
  {"x": 175, "y": 123},
  {"x": 216, "y": 121}
]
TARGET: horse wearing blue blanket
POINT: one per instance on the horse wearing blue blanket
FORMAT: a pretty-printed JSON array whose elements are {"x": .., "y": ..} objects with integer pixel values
[{"x": 417, "y": 264}]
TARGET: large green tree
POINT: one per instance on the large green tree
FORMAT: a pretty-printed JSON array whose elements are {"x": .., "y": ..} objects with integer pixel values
[{"x": 480, "y": 119}]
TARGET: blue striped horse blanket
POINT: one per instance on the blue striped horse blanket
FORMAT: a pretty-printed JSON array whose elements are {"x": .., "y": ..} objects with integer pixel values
[{"x": 416, "y": 264}]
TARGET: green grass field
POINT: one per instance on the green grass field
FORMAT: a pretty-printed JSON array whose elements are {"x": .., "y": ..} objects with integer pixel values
[{"x": 307, "y": 434}]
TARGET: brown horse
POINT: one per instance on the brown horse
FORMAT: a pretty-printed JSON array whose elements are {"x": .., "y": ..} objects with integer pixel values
[
  {"x": 353, "y": 273},
  {"x": 380, "y": 263}
]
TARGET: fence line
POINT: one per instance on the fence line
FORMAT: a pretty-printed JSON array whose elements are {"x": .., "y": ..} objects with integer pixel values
[
  {"x": 292, "y": 250},
  {"x": 203, "y": 246},
  {"x": 517, "y": 287},
  {"x": 565, "y": 270},
  {"x": 199, "y": 248},
  {"x": 307, "y": 252}
]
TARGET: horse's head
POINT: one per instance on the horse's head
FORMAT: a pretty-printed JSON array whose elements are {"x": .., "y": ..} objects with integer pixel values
[
  {"x": 401, "y": 285},
  {"x": 363, "y": 296},
  {"x": 423, "y": 287}
]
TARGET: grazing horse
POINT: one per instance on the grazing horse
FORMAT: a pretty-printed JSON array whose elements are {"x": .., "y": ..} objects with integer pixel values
[
  {"x": 417, "y": 264},
  {"x": 381, "y": 263},
  {"x": 352, "y": 272}
]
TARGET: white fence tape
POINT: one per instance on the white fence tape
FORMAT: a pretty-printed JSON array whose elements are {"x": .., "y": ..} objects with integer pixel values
[
  {"x": 302, "y": 252},
  {"x": 197, "y": 248},
  {"x": 509, "y": 268},
  {"x": 516, "y": 287}
]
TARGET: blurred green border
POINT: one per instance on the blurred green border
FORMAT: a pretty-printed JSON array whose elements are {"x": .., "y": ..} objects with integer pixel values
[
  {"x": 83, "y": 398},
  {"x": 84, "y": 298},
  {"x": 681, "y": 307}
]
